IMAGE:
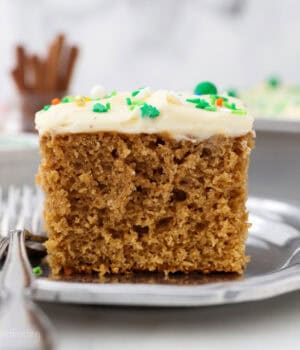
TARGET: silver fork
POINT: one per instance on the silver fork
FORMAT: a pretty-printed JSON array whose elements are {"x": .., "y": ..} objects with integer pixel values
[
  {"x": 22, "y": 324},
  {"x": 30, "y": 217},
  {"x": 8, "y": 214},
  {"x": 3, "y": 238},
  {"x": 20, "y": 208}
]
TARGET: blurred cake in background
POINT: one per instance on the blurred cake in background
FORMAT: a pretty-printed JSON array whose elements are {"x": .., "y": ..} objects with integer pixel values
[{"x": 273, "y": 99}]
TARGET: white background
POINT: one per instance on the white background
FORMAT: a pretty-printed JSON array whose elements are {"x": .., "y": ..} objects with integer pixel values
[{"x": 161, "y": 43}]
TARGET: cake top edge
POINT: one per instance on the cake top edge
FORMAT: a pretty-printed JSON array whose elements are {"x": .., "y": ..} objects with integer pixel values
[{"x": 143, "y": 111}]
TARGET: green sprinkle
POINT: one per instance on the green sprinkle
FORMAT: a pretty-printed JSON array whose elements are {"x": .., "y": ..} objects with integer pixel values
[
  {"x": 45, "y": 108},
  {"x": 193, "y": 100},
  {"x": 134, "y": 93},
  {"x": 232, "y": 93},
  {"x": 202, "y": 104},
  {"x": 239, "y": 111},
  {"x": 210, "y": 108},
  {"x": 99, "y": 108},
  {"x": 231, "y": 106},
  {"x": 65, "y": 99},
  {"x": 149, "y": 111},
  {"x": 107, "y": 106},
  {"x": 213, "y": 99},
  {"x": 273, "y": 82},
  {"x": 131, "y": 107},
  {"x": 138, "y": 103},
  {"x": 128, "y": 101},
  {"x": 96, "y": 99},
  {"x": 205, "y": 88},
  {"x": 113, "y": 93},
  {"x": 37, "y": 270}
]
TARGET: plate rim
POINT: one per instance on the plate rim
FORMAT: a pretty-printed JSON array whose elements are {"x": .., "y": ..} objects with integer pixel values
[
  {"x": 277, "y": 125},
  {"x": 253, "y": 288},
  {"x": 31, "y": 139}
]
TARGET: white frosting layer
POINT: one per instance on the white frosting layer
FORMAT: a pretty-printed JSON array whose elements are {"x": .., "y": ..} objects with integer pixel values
[{"x": 179, "y": 118}]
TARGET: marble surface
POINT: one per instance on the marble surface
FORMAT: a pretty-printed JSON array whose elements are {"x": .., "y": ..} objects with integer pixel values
[
  {"x": 270, "y": 324},
  {"x": 164, "y": 44}
]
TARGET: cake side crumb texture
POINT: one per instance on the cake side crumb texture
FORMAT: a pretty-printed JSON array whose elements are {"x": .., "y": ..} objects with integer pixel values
[{"x": 118, "y": 203}]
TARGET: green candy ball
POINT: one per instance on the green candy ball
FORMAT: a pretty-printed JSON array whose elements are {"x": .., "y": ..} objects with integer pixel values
[{"x": 205, "y": 88}]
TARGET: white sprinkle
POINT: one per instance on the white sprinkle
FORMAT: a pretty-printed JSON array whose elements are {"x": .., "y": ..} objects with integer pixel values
[
  {"x": 135, "y": 114},
  {"x": 143, "y": 93},
  {"x": 174, "y": 98},
  {"x": 98, "y": 91},
  {"x": 223, "y": 109}
]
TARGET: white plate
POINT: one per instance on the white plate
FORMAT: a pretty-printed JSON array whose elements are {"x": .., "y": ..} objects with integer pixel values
[
  {"x": 274, "y": 247},
  {"x": 17, "y": 142},
  {"x": 277, "y": 125}
]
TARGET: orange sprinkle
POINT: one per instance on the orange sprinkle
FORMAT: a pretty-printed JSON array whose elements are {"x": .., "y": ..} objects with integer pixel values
[
  {"x": 219, "y": 102},
  {"x": 55, "y": 101}
]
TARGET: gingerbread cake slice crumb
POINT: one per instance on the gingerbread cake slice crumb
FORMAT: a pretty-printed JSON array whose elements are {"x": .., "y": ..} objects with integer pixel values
[{"x": 145, "y": 181}]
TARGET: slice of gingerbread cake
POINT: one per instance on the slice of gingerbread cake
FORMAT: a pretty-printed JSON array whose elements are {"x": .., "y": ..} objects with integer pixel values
[{"x": 145, "y": 181}]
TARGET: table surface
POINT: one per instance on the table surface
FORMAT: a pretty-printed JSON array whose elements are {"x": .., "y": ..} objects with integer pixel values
[{"x": 269, "y": 324}]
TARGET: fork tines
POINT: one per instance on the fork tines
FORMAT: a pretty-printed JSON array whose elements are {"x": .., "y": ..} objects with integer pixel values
[{"x": 20, "y": 207}]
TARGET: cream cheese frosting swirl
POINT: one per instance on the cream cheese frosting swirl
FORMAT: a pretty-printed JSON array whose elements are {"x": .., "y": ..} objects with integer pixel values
[{"x": 181, "y": 115}]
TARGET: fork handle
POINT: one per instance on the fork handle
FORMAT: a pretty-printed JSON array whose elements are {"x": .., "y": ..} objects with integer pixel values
[{"x": 22, "y": 324}]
